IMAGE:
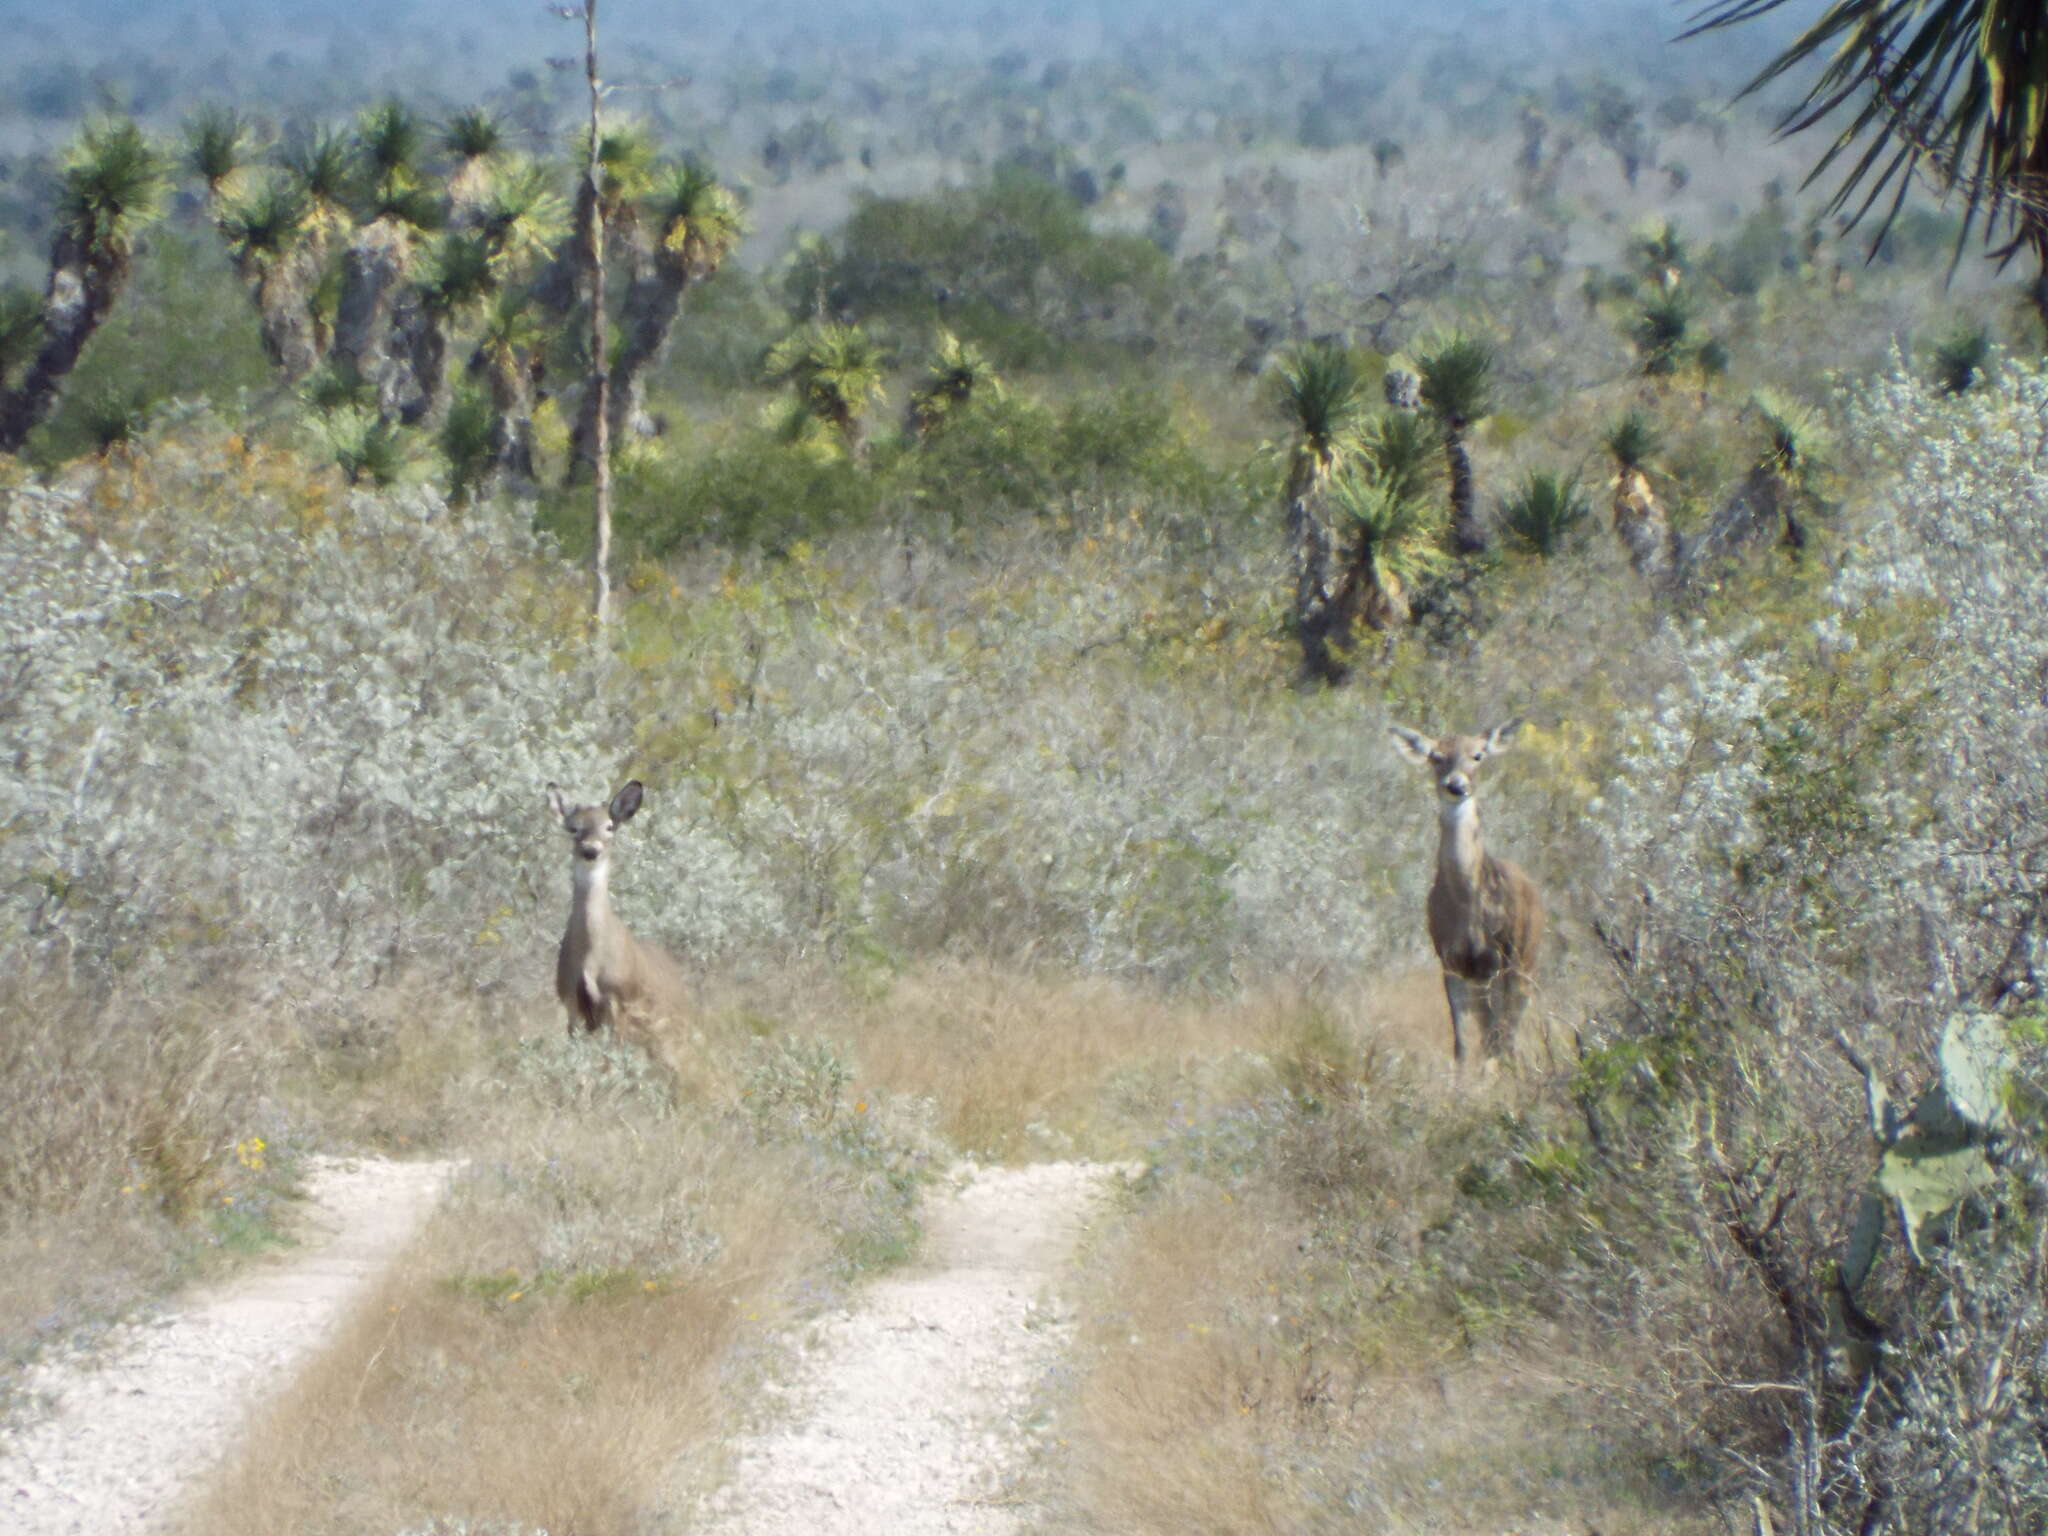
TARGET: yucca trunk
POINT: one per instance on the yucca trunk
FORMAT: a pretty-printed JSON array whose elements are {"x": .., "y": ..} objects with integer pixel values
[
  {"x": 510, "y": 384},
  {"x": 279, "y": 291},
  {"x": 373, "y": 268},
  {"x": 653, "y": 303},
  {"x": 1376, "y": 598},
  {"x": 1468, "y": 534},
  {"x": 420, "y": 336},
  {"x": 653, "y": 300},
  {"x": 1640, "y": 523},
  {"x": 84, "y": 282},
  {"x": 1316, "y": 616}
]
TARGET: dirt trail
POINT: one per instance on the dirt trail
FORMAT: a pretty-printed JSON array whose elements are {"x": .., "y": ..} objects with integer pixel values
[
  {"x": 139, "y": 1423},
  {"x": 907, "y": 1408}
]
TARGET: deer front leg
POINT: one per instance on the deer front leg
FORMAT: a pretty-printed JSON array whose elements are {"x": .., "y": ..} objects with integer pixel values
[
  {"x": 1458, "y": 993},
  {"x": 1510, "y": 1000}
]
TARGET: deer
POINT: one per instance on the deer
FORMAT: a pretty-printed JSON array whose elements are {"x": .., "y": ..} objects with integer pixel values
[
  {"x": 1485, "y": 914},
  {"x": 610, "y": 982}
]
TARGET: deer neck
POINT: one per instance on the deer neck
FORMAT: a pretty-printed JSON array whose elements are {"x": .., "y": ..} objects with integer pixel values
[
  {"x": 1460, "y": 858},
  {"x": 590, "y": 906}
]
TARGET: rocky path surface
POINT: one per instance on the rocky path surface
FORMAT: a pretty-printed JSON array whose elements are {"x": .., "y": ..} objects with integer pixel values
[
  {"x": 142, "y": 1420},
  {"x": 907, "y": 1408}
]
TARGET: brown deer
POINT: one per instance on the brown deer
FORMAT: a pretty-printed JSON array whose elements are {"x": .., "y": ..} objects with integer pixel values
[
  {"x": 611, "y": 982},
  {"x": 1485, "y": 915}
]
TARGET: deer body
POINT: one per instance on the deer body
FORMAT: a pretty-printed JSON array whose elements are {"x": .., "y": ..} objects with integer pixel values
[
  {"x": 609, "y": 981},
  {"x": 1485, "y": 914}
]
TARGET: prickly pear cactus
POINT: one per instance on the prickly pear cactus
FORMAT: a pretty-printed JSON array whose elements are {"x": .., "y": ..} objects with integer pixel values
[{"x": 1933, "y": 1158}]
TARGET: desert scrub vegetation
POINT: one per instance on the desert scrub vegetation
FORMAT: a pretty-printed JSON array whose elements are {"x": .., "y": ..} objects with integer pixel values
[{"x": 1674, "y": 1238}]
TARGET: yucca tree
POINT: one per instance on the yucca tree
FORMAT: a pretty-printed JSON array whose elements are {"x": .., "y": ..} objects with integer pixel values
[
  {"x": 1961, "y": 357},
  {"x": 504, "y": 351},
  {"x": 1953, "y": 90},
  {"x": 379, "y": 257},
  {"x": 455, "y": 277},
  {"x": 625, "y": 166},
  {"x": 266, "y": 239},
  {"x": 1544, "y": 512},
  {"x": 1457, "y": 389},
  {"x": 216, "y": 150},
  {"x": 1639, "y": 520},
  {"x": 519, "y": 215},
  {"x": 1393, "y": 538},
  {"x": 323, "y": 165},
  {"x": 475, "y": 139},
  {"x": 956, "y": 376},
  {"x": 691, "y": 225},
  {"x": 1660, "y": 334},
  {"x": 112, "y": 186},
  {"x": 836, "y": 372},
  {"x": 1321, "y": 395}
]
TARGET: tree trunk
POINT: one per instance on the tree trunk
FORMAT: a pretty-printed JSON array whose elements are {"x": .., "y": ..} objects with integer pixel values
[
  {"x": 652, "y": 305},
  {"x": 372, "y": 268},
  {"x": 1468, "y": 534},
  {"x": 421, "y": 336},
  {"x": 511, "y": 386},
  {"x": 84, "y": 282},
  {"x": 1640, "y": 524},
  {"x": 286, "y": 324},
  {"x": 1315, "y": 613}
]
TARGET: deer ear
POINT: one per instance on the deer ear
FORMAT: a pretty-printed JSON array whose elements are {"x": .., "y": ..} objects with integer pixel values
[
  {"x": 626, "y": 802},
  {"x": 556, "y": 803},
  {"x": 1500, "y": 736},
  {"x": 1412, "y": 745}
]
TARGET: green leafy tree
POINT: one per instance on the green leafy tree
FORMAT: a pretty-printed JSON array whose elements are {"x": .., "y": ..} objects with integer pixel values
[
  {"x": 112, "y": 186},
  {"x": 1954, "y": 90}
]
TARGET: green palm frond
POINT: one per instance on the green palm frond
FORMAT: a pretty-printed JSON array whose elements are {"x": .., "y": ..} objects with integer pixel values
[
  {"x": 266, "y": 224},
  {"x": 113, "y": 183},
  {"x": 958, "y": 374},
  {"x": 1633, "y": 440},
  {"x": 1545, "y": 512},
  {"x": 1961, "y": 357},
  {"x": 521, "y": 215},
  {"x": 1321, "y": 392},
  {"x": 473, "y": 134},
  {"x": 1457, "y": 379},
  {"x": 335, "y": 388},
  {"x": 407, "y": 201},
  {"x": 467, "y": 442},
  {"x": 366, "y": 446},
  {"x": 323, "y": 167},
  {"x": 1953, "y": 89},
  {"x": 510, "y": 327},
  {"x": 21, "y": 327},
  {"x": 390, "y": 137},
  {"x": 457, "y": 273},
  {"x": 216, "y": 140},
  {"x": 1795, "y": 436},
  {"x": 1659, "y": 334},
  {"x": 625, "y": 159},
  {"x": 1403, "y": 535},
  {"x": 696, "y": 220},
  {"x": 830, "y": 364},
  {"x": 1405, "y": 453}
]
